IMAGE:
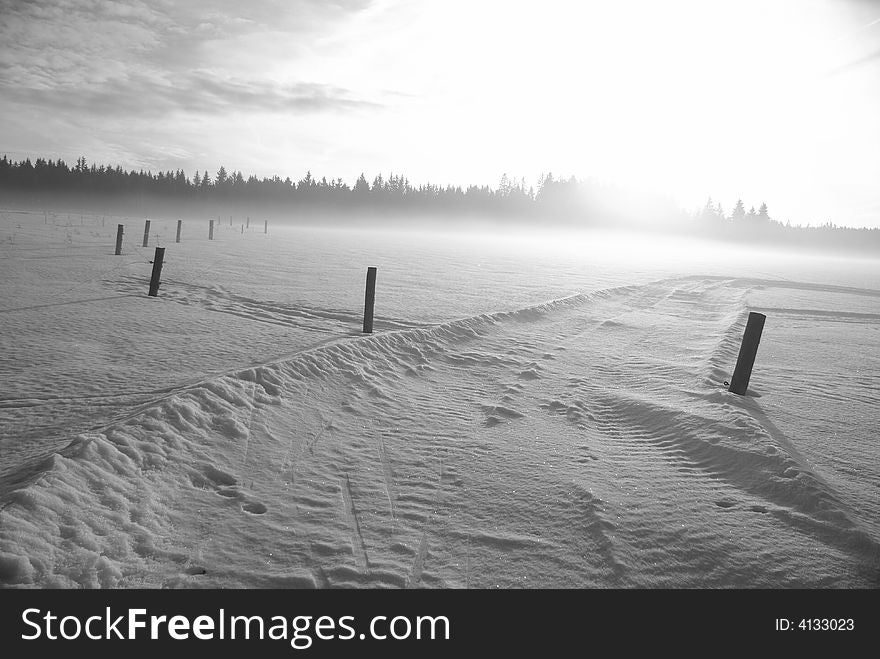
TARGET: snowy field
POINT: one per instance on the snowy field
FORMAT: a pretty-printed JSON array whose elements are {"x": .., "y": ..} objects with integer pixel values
[{"x": 527, "y": 413}]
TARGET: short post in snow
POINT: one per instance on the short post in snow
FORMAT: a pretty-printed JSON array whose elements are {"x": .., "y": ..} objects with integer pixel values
[
  {"x": 211, "y": 230},
  {"x": 369, "y": 300},
  {"x": 179, "y": 225},
  {"x": 739, "y": 383},
  {"x": 146, "y": 232},
  {"x": 248, "y": 223},
  {"x": 265, "y": 226},
  {"x": 242, "y": 228},
  {"x": 157, "y": 271},
  {"x": 119, "y": 231}
]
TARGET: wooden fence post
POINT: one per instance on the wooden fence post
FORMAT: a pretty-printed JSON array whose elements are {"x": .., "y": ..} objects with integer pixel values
[
  {"x": 369, "y": 300},
  {"x": 739, "y": 383},
  {"x": 211, "y": 230},
  {"x": 157, "y": 271},
  {"x": 248, "y": 223},
  {"x": 119, "y": 231},
  {"x": 179, "y": 224},
  {"x": 265, "y": 226},
  {"x": 146, "y": 232}
]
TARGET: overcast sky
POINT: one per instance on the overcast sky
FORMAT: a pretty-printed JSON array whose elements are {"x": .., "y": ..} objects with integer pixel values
[{"x": 775, "y": 101}]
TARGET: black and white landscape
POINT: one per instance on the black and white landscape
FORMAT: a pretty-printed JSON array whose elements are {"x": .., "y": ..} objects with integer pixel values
[{"x": 543, "y": 399}]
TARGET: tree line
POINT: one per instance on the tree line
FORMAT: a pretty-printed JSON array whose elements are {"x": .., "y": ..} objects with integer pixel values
[
  {"x": 554, "y": 200},
  {"x": 45, "y": 177}
]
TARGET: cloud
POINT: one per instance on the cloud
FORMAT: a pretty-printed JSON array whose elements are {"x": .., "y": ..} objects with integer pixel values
[
  {"x": 145, "y": 96},
  {"x": 147, "y": 59}
]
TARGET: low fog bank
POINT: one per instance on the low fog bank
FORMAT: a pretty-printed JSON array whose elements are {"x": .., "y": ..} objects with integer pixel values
[
  {"x": 552, "y": 220},
  {"x": 527, "y": 253}
]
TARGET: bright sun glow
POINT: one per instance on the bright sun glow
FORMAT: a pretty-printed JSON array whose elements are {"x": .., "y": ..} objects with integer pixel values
[{"x": 686, "y": 98}]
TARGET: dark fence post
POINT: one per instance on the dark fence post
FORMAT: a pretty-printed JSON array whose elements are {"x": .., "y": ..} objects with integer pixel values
[
  {"x": 242, "y": 228},
  {"x": 119, "y": 231},
  {"x": 146, "y": 232},
  {"x": 265, "y": 226},
  {"x": 211, "y": 230},
  {"x": 157, "y": 271},
  {"x": 739, "y": 383},
  {"x": 248, "y": 223},
  {"x": 179, "y": 224},
  {"x": 369, "y": 300}
]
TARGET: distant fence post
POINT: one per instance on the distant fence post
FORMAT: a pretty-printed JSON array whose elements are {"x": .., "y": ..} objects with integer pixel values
[
  {"x": 242, "y": 228},
  {"x": 230, "y": 220},
  {"x": 265, "y": 226},
  {"x": 211, "y": 230},
  {"x": 157, "y": 271},
  {"x": 369, "y": 300},
  {"x": 119, "y": 231},
  {"x": 739, "y": 383},
  {"x": 179, "y": 224},
  {"x": 248, "y": 223},
  {"x": 146, "y": 232}
]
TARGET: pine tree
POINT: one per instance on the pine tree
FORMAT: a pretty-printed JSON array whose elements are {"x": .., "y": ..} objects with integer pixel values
[
  {"x": 708, "y": 213},
  {"x": 361, "y": 187},
  {"x": 739, "y": 212},
  {"x": 222, "y": 176}
]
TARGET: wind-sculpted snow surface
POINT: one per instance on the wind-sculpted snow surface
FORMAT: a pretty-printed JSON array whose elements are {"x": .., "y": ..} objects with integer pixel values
[{"x": 587, "y": 441}]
